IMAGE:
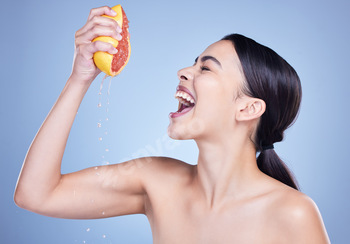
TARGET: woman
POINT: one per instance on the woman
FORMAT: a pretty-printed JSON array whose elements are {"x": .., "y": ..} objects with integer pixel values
[{"x": 236, "y": 100}]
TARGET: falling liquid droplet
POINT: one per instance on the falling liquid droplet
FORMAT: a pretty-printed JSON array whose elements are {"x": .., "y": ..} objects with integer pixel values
[
  {"x": 102, "y": 85},
  {"x": 100, "y": 122},
  {"x": 100, "y": 92},
  {"x": 103, "y": 213},
  {"x": 96, "y": 167},
  {"x": 109, "y": 85},
  {"x": 88, "y": 229},
  {"x": 103, "y": 236}
]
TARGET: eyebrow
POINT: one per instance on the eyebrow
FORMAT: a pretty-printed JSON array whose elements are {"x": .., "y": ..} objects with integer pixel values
[{"x": 205, "y": 58}]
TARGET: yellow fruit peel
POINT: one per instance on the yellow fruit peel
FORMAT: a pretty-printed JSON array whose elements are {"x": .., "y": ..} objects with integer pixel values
[{"x": 103, "y": 60}]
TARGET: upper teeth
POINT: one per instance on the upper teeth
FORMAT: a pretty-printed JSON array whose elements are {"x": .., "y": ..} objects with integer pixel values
[{"x": 185, "y": 96}]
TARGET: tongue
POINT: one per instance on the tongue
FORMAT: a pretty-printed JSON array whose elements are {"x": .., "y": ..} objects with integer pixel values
[{"x": 182, "y": 107}]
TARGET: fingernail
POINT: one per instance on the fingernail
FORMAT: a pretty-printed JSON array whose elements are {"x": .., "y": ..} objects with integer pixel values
[
  {"x": 114, "y": 51},
  {"x": 119, "y": 37},
  {"x": 113, "y": 12}
]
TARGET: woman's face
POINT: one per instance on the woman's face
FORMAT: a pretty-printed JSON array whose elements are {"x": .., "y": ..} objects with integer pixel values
[{"x": 207, "y": 94}]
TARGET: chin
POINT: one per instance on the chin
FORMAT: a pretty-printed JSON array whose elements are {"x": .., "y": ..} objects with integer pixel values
[
  {"x": 186, "y": 131},
  {"x": 177, "y": 133}
]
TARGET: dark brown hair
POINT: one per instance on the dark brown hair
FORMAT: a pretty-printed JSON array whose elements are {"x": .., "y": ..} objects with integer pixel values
[{"x": 270, "y": 78}]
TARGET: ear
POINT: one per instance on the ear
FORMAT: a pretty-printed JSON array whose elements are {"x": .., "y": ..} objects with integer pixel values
[{"x": 250, "y": 108}]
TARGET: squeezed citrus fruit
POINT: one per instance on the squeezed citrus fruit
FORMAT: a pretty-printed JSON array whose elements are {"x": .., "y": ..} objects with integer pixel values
[{"x": 110, "y": 64}]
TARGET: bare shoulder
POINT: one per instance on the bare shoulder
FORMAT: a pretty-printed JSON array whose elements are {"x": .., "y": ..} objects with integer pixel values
[
  {"x": 297, "y": 216},
  {"x": 163, "y": 170},
  {"x": 164, "y": 165},
  {"x": 163, "y": 180}
]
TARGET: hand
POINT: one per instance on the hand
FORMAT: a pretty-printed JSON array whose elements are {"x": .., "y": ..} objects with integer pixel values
[{"x": 84, "y": 69}]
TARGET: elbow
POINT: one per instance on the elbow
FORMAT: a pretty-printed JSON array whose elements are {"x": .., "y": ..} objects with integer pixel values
[
  {"x": 25, "y": 200},
  {"x": 20, "y": 199},
  {"x": 31, "y": 200}
]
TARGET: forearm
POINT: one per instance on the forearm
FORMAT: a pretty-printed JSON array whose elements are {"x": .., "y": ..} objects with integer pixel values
[{"x": 41, "y": 172}]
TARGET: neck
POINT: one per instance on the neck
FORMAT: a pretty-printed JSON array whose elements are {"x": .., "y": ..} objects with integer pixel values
[{"x": 226, "y": 168}]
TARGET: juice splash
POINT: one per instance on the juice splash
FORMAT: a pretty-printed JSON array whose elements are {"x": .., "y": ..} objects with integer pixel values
[{"x": 102, "y": 124}]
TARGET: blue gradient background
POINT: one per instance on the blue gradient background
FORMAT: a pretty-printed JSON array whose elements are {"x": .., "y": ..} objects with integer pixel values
[{"x": 37, "y": 44}]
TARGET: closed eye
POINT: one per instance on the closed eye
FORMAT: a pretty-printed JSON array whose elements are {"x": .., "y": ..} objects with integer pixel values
[{"x": 205, "y": 68}]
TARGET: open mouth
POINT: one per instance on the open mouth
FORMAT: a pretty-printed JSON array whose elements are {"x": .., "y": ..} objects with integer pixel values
[{"x": 186, "y": 101}]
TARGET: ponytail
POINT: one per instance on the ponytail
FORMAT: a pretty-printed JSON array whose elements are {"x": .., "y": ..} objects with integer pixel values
[
  {"x": 270, "y": 164},
  {"x": 270, "y": 78}
]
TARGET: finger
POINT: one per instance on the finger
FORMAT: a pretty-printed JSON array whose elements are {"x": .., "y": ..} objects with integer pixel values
[
  {"x": 99, "y": 20},
  {"x": 97, "y": 31},
  {"x": 96, "y": 46},
  {"x": 100, "y": 11}
]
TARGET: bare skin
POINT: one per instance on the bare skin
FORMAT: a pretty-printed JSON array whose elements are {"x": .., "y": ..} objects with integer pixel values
[{"x": 225, "y": 198}]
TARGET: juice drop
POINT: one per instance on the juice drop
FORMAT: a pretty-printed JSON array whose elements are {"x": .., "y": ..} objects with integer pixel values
[
  {"x": 109, "y": 86},
  {"x": 100, "y": 92},
  {"x": 104, "y": 101}
]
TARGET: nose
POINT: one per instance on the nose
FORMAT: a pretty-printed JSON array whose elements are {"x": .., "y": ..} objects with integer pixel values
[{"x": 185, "y": 74}]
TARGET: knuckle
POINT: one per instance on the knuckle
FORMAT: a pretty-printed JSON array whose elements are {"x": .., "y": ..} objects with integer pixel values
[
  {"x": 115, "y": 24},
  {"x": 97, "y": 45},
  {"x": 77, "y": 34},
  {"x": 80, "y": 49},
  {"x": 91, "y": 14},
  {"x": 95, "y": 29},
  {"x": 94, "y": 19},
  {"x": 92, "y": 11}
]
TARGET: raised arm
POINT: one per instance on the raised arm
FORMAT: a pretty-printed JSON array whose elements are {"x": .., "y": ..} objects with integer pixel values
[{"x": 91, "y": 193}]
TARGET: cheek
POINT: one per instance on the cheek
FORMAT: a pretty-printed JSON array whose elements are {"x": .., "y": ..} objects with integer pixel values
[
  {"x": 214, "y": 114},
  {"x": 214, "y": 103}
]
